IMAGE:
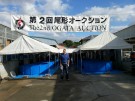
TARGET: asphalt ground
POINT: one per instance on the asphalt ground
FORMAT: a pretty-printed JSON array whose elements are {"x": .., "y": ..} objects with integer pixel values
[{"x": 107, "y": 87}]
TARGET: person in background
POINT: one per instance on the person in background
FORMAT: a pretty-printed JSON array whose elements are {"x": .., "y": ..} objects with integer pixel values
[{"x": 64, "y": 64}]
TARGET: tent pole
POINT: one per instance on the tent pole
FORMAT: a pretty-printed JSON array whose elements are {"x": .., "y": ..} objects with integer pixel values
[
  {"x": 121, "y": 55},
  {"x": 58, "y": 59},
  {"x": 49, "y": 65},
  {"x": 81, "y": 60},
  {"x": 73, "y": 58},
  {"x": 77, "y": 59}
]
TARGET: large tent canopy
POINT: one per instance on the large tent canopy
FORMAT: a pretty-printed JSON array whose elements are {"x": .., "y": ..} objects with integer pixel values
[
  {"x": 106, "y": 40},
  {"x": 25, "y": 44}
]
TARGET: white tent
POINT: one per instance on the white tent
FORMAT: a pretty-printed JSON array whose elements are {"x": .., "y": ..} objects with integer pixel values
[
  {"x": 25, "y": 44},
  {"x": 105, "y": 40}
]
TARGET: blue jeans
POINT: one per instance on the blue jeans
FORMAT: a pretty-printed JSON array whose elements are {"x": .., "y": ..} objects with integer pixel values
[{"x": 65, "y": 71}]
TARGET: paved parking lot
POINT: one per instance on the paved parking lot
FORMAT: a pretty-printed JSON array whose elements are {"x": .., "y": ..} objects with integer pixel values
[{"x": 109, "y": 87}]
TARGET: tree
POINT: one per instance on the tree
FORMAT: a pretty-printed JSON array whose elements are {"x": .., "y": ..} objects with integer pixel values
[
  {"x": 68, "y": 43},
  {"x": 76, "y": 44}
]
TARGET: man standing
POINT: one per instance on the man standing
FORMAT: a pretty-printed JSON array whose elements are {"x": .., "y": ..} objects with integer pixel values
[{"x": 64, "y": 63}]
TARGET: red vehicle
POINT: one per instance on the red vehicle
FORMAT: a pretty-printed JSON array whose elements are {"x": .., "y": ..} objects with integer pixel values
[{"x": 132, "y": 56}]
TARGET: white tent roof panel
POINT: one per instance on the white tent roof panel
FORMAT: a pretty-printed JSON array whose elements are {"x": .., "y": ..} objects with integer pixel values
[
  {"x": 105, "y": 40},
  {"x": 25, "y": 44}
]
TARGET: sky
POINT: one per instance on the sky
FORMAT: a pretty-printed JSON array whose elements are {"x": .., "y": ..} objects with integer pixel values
[{"x": 121, "y": 12}]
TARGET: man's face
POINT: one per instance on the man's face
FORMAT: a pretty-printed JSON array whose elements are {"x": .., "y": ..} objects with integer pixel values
[{"x": 64, "y": 51}]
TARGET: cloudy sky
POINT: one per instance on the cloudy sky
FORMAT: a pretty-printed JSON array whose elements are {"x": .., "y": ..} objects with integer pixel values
[{"x": 122, "y": 13}]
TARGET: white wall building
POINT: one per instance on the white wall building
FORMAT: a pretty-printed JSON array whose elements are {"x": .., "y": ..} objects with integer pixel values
[{"x": 7, "y": 36}]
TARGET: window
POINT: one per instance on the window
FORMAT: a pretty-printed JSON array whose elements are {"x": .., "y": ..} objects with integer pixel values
[
  {"x": 8, "y": 42},
  {"x": 2, "y": 28},
  {"x": 9, "y": 35}
]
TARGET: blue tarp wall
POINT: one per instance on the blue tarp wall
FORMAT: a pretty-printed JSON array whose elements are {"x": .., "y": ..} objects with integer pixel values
[
  {"x": 94, "y": 66},
  {"x": 40, "y": 68}
]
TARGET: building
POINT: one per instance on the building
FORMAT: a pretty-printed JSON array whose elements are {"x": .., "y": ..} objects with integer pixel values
[
  {"x": 49, "y": 41},
  {"x": 7, "y": 36},
  {"x": 87, "y": 38},
  {"x": 128, "y": 34}
]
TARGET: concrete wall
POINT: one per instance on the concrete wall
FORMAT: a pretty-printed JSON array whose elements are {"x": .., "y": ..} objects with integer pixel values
[{"x": 3, "y": 72}]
